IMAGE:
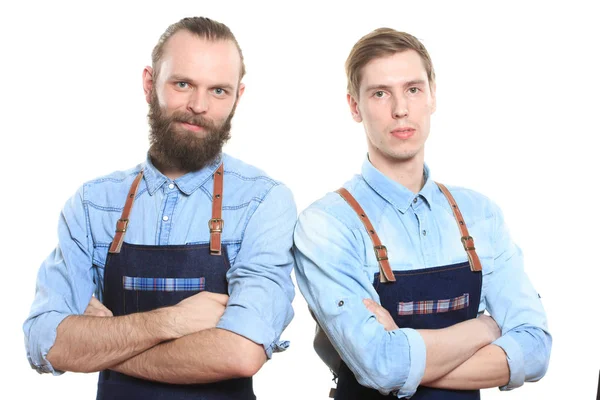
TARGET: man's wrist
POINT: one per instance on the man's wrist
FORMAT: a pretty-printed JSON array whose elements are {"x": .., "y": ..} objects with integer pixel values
[{"x": 162, "y": 323}]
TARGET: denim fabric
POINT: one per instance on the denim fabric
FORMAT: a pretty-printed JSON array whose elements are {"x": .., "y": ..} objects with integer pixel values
[{"x": 259, "y": 215}]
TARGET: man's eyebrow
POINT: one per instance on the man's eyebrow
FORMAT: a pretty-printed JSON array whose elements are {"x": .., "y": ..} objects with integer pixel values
[
  {"x": 223, "y": 86},
  {"x": 377, "y": 87},
  {"x": 416, "y": 82},
  {"x": 178, "y": 78}
]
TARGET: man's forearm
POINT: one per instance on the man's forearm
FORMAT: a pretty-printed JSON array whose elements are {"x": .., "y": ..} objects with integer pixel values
[
  {"x": 450, "y": 347},
  {"x": 207, "y": 356},
  {"x": 487, "y": 368},
  {"x": 89, "y": 344}
]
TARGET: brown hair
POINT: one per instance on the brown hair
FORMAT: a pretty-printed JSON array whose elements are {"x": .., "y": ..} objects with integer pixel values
[
  {"x": 379, "y": 43},
  {"x": 203, "y": 27}
]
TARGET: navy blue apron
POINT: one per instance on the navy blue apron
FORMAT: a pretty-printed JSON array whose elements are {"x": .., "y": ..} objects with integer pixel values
[
  {"x": 428, "y": 298},
  {"x": 140, "y": 278}
]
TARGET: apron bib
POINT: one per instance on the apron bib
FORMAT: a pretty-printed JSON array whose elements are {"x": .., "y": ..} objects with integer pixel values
[{"x": 139, "y": 278}]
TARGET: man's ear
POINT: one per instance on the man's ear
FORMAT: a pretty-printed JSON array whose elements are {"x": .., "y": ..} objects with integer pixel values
[
  {"x": 147, "y": 83},
  {"x": 354, "y": 110}
]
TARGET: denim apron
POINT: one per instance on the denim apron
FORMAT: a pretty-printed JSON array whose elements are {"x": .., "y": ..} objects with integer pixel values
[
  {"x": 140, "y": 278},
  {"x": 427, "y": 298}
]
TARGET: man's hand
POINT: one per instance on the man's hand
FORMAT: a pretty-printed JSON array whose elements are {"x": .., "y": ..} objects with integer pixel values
[
  {"x": 382, "y": 315},
  {"x": 198, "y": 312},
  {"x": 97, "y": 309},
  {"x": 193, "y": 314},
  {"x": 492, "y": 327}
]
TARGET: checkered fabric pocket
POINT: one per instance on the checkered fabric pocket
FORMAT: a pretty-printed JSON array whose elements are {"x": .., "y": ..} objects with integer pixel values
[
  {"x": 433, "y": 306},
  {"x": 163, "y": 284}
]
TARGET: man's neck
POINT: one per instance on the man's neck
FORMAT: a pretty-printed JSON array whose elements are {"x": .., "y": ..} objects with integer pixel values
[
  {"x": 408, "y": 173},
  {"x": 169, "y": 171}
]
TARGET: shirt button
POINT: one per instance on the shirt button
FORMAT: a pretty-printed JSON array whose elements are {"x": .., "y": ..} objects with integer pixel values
[
  {"x": 415, "y": 200},
  {"x": 165, "y": 218},
  {"x": 341, "y": 303},
  {"x": 424, "y": 232},
  {"x": 171, "y": 186}
]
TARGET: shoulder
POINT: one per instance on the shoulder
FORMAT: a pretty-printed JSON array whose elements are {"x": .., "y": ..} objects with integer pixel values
[
  {"x": 111, "y": 189},
  {"x": 473, "y": 203},
  {"x": 333, "y": 209},
  {"x": 251, "y": 182}
]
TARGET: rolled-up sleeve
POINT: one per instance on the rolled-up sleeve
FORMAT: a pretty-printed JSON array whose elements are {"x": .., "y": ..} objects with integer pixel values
[
  {"x": 260, "y": 284},
  {"x": 330, "y": 275},
  {"x": 64, "y": 285},
  {"x": 516, "y": 306}
]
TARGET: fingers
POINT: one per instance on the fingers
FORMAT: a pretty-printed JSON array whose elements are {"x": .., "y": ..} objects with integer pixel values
[
  {"x": 94, "y": 302},
  {"x": 218, "y": 297},
  {"x": 372, "y": 306},
  {"x": 96, "y": 309},
  {"x": 381, "y": 314},
  {"x": 375, "y": 308}
]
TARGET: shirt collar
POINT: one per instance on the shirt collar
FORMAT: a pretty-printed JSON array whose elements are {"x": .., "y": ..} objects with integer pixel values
[
  {"x": 393, "y": 192},
  {"x": 187, "y": 183}
]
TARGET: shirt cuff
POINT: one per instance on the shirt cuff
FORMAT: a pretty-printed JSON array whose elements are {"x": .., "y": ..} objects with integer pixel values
[
  {"x": 418, "y": 354},
  {"x": 42, "y": 336},
  {"x": 516, "y": 364},
  {"x": 236, "y": 319}
]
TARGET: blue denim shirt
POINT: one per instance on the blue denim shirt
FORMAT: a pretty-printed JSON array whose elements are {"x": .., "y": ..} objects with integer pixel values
[
  {"x": 259, "y": 215},
  {"x": 335, "y": 267}
]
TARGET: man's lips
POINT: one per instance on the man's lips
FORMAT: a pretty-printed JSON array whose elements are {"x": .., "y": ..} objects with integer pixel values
[
  {"x": 403, "y": 133},
  {"x": 191, "y": 127}
]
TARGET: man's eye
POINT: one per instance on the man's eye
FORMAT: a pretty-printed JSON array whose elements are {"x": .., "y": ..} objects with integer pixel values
[
  {"x": 182, "y": 85},
  {"x": 379, "y": 93},
  {"x": 219, "y": 91},
  {"x": 413, "y": 90}
]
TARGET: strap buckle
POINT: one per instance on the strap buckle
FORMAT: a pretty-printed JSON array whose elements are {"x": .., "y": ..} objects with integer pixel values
[
  {"x": 216, "y": 225},
  {"x": 468, "y": 246},
  {"x": 380, "y": 255},
  {"x": 122, "y": 225}
]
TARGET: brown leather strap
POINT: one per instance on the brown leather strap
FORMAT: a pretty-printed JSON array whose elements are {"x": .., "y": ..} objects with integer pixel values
[
  {"x": 216, "y": 223},
  {"x": 386, "y": 274},
  {"x": 466, "y": 239},
  {"x": 115, "y": 246}
]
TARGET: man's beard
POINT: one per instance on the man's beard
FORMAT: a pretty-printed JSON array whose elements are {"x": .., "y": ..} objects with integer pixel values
[{"x": 178, "y": 148}]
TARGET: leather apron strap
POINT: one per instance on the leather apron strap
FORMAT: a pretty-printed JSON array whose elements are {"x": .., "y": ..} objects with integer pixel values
[
  {"x": 215, "y": 224},
  {"x": 466, "y": 239},
  {"x": 123, "y": 222},
  {"x": 386, "y": 274}
]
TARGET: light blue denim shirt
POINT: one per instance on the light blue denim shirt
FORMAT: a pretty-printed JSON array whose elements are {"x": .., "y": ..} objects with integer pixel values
[
  {"x": 335, "y": 267},
  {"x": 259, "y": 215}
]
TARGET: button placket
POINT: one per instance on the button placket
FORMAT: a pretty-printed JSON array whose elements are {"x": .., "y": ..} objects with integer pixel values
[{"x": 167, "y": 215}]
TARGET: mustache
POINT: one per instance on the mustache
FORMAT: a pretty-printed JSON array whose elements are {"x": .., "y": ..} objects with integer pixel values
[{"x": 194, "y": 120}]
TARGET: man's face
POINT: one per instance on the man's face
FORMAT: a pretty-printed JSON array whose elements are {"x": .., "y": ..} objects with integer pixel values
[
  {"x": 395, "y": 105},
  {"x": 192, "y": 100}
]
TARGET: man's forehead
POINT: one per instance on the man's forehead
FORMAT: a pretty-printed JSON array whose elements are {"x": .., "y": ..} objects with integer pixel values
[
  {"x": 186, "y": 52},
  {"x": 397, "y": 68}
]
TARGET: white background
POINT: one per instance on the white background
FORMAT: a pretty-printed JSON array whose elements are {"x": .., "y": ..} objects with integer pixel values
[{"x": 517, "y": 120}]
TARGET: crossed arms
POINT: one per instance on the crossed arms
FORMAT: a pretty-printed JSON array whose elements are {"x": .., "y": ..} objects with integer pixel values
[
  {"x": 178, "y": 344},
  {"x": 470, "y": 355},
  {"x": 207, "y": 337}
]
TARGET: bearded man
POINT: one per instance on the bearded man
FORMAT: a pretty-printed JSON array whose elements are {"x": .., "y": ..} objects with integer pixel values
[{"x": 172, "y": 278}]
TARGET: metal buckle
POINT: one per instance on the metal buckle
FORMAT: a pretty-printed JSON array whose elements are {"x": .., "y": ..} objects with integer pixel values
[
  {"x": 381, "y": 247},
  {"x": 215, "y": 225},
  {"x": 124, "y": 223},
  {"x": 464, "y": 241}
]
